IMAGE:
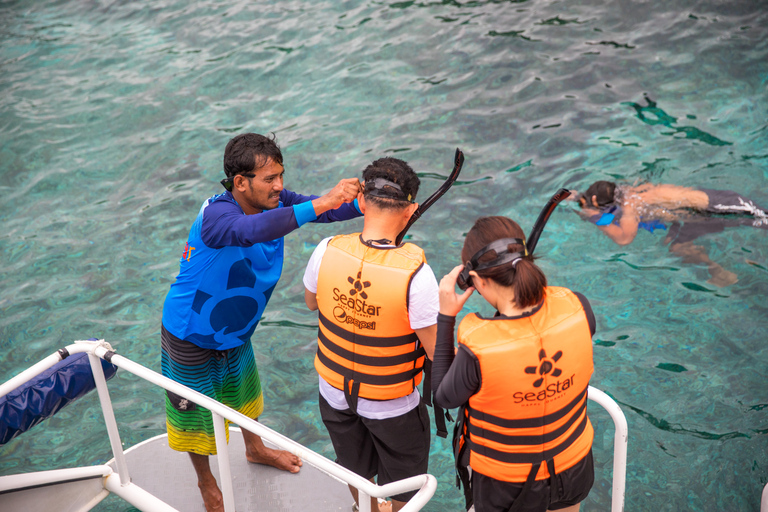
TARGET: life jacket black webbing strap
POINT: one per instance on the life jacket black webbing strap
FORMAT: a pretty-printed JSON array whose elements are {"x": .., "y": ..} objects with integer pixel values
[
  {"x": 520, "y": 500},
  {"x": 554, "y": 483},
  {"x": 440, "y": 414},
  {"x": 408, "y": 357},
  {"x": 461, "y": 457},
  {"x": 351, "y": 393},
  {"x": 365, "y": 378}
]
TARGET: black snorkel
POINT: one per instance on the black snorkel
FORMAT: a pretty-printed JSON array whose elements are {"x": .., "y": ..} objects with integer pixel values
[
  {"x": 538, "y": 227},
  {"x": 503, "y": 256},
  {"x": 458, "y": 163}
]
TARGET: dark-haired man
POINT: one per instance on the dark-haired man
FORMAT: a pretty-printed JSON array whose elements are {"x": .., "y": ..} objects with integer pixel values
[
  {"x": 378, "y": 307},
  {"x": 230, "y": 266},
  {"x": 620, "y": 211}
]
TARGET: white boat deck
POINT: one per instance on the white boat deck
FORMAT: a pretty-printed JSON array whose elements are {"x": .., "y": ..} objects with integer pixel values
[{"x": 164, "y": 472}]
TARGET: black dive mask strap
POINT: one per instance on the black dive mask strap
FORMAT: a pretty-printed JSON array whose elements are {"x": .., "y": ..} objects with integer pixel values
[
  {"x": 503, "y": 255},
  {"x": 385, "y": 189},
  {"x": 464, "y": 280}
]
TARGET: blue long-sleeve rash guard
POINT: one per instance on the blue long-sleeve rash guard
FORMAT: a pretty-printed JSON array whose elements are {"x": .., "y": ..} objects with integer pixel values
[
  {"x": 230, "y": 266},
  {"x": 225, "y": 225}
]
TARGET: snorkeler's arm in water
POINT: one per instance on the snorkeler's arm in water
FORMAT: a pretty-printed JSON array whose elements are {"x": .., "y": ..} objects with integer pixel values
[{"x": 623, "y": 233}]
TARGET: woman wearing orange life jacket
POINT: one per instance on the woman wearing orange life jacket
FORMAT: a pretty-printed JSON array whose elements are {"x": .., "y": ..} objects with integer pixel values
[{"x": 520, "y": 376}]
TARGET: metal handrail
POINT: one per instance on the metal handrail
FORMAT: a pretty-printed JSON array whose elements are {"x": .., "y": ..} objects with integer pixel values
[
  {"x": 620, "y": 441},
  {"x": 120, "y": 482},
  {"x": 764, "y": 500}
]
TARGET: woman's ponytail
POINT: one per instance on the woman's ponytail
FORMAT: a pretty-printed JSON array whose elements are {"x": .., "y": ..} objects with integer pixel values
[
  {"x": 522, "y": 275},
  {"x": 528, "y": 282}
]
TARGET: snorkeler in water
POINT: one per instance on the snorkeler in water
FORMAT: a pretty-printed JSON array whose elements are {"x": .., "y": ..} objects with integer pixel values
[{"x": 685, "y": 213}]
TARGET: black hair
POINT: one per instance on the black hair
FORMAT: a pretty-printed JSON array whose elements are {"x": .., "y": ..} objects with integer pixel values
[
  {"x": 604, "y": 191},
  {"x": 399, "y": 173},
  {"x": 525, "y": 277},
  {"x": 250, "y": 151}
]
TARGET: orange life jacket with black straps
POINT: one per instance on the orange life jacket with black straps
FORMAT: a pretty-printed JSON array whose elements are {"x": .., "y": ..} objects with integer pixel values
[
  {"x": 365, "y": 344},
  {"x": 529, "y": 417}
]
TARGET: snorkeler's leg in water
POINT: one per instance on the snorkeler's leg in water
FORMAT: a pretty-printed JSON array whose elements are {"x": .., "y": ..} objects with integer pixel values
[
  {"x": 729, "y": 202},
  {"x": 696, "y": 254}
]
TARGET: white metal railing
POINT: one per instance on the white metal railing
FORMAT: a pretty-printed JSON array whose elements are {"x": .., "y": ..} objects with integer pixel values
[
  {"x": 120, "y": 482},
  {"x": 764, "y": 500},
  {"x": 620, "y": 441}
]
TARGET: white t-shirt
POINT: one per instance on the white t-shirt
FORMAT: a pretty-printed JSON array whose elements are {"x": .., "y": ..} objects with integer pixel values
[{"x": 423, "y": 305}]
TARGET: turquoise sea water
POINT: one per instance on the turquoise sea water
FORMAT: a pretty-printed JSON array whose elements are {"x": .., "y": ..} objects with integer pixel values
[{"x": 113, "y": 121}]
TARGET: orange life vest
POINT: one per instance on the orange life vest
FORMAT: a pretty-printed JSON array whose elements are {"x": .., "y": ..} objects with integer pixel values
[
  {"x": 529, "y": 416},
  {"x": 365, "y": 344}
]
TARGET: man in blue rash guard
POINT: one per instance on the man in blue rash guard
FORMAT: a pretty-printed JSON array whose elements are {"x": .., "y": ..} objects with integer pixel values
[
  {"x": 620, "y": 211},
  {"x": 230, "y": 266}
]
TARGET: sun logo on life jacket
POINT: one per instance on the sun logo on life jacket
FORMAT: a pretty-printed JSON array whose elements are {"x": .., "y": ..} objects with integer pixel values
[
  {"x": 358, "y": 286},
  {"x": 545, "y": 367}
]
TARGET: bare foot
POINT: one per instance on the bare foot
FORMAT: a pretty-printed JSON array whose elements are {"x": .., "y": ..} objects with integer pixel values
[
  {"x": 212, "y": 498},
  {"x": 279, "y": 459},
  {"x": 257, "y": 452},
  {"x": 385, "y": 506}
]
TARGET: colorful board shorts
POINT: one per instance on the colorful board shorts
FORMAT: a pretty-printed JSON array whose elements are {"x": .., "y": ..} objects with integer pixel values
[{"x": 228, "y": 376}]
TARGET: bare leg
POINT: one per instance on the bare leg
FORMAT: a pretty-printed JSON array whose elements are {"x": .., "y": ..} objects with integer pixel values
[
  {"x": 384, "y": 506},
  {"x": 374, "y": 502},
  {"x": 257, "y": 453},
  {"x": 212, "y": 498},
  {"x": 696, "y": 254},
  {"x": 396, "y": 505}
]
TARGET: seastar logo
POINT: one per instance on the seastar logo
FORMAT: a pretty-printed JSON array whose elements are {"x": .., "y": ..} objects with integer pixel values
[
  {"x": 546, "y": 366},
  {"x": 358, "y": 286}
]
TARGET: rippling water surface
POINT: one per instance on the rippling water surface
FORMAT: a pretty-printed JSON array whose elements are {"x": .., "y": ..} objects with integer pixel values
[{"x": 113, "y": 121}]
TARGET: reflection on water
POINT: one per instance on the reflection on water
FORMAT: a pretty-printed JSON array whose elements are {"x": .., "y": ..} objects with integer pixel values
[
  {"x": 653, "y": 115},
  {"x": 114, "y": 117}
]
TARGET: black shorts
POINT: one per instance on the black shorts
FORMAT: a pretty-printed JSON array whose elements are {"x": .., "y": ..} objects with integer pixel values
[
  {"x": 393, "y": 448},
  {"x": 574, "y": 484}
]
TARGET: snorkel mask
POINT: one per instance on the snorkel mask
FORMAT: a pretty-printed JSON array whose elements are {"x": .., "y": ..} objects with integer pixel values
[
  {"x": 503, "y": 254},
  {"x": 385, "y": 189}
]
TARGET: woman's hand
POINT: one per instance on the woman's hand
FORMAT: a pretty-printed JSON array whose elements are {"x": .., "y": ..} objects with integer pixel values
[{"x": 450, "y": 302}]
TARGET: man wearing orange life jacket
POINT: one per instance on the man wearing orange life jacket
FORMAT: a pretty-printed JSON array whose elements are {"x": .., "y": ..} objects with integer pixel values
[{"x": 377, "y": 322}]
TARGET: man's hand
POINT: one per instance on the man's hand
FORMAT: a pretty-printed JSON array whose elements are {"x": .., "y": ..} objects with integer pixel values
[{"x": 344, "y": 192}]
